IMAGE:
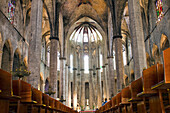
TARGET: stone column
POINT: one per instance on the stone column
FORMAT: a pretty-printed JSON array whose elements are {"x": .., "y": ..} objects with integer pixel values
[
  {"x": 104, "y": 83},
  {"x": 137, "y": 34},
  {"x": 35, "y": 43},
  {"x": 111, "y": 76},
  {"x": 91, "y": 86},
  {"x": 62, "y": 78},
  {"x": 53, "y": 65},
  {"x": 119, "y": 61},
  {"x": 82, "y": 97},
  {"x": 108, "y": 80},
  {"x": 91, "y": 89},
  {"x": 82, "y": 87},
  {"x": 99, "y": 89},
  {"x": 69, "y": 88},
  {"x": 66, "y": 84},
  {"x": 75, "y": 81}
]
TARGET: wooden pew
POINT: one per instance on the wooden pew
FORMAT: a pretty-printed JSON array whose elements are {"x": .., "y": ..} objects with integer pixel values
[
  {"x": 23, "y": 89},
  {"x": 5, "y": 90},
  {"x": 135, "y": 88},
  {"x": 150, "y": 98},
  {"x": 163, "y": 83},
  {"x": 118, "y": 101},
  {"x": 126, "y": 95},
  {"x": 107, "y": 107},
  {"x": 39, "y": 107},
  {"x": 52, "y": 104},
  {"x": 114, "y": 107},
  {"x": 45, "y": 99},
  {"x": 57, "y": 106}
]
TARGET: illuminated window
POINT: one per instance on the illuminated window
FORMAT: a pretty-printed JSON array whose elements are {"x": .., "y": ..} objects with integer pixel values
[
  {"x": 71, "y": 63},
  {"x": 11, "y": 10},
  {"x": 101, "y": 62},
  {"x": 159, "y": 10},
  {"x": 86, "y": 64},
  {"x": 85, "y": 38},
  {"x": 124, "y": 56},
  {"x": 58, "y": 61},
  {"x": 48, "y": 56}
]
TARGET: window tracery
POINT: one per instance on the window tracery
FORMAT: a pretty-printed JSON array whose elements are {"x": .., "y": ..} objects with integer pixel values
[
  {"x": 11, "y": 10},
  {"x": 159, "y": 10}
]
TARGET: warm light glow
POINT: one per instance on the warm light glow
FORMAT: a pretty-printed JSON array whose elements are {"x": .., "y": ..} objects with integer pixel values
[
  {"x": 71, "y": 63},
  {"x": 101, "y": 62},
  {"x": 86, "y": 64}
]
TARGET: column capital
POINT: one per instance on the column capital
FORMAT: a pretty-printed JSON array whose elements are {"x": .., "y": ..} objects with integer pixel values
[
  {"x": 90, "y": 69},
  {"x": 117, "y": 36},
  {"x": 81, "y": 69},
  {"x": 98, "y": 68},
  {"x": 74, "y": 68},
  {"x": 62, "y": 58},
  {"x": 54, "y": 38},
  {"x": 110, "y": 57}
]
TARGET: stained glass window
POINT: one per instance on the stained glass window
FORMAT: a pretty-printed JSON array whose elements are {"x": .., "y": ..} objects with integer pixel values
[
  {"x": 11, "y": 10},
  {"x": 159, "y": 10}
]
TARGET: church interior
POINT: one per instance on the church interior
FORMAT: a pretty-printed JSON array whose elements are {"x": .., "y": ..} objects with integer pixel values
[{"x": 70, "y": 56}]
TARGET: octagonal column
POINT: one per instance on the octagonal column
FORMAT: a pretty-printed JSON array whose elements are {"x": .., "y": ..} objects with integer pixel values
[
  {"x": 62, "y": 78},
  {"x": 74, "y": 81},
  {"x": 35, "y": 43},
  {"x": 107, "y": 80},
  {"x": 119, "y": 61},
  {"x": 138, "y": 45}
]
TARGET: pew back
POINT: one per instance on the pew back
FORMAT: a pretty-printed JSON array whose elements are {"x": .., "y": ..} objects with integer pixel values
[
  {"x": 166, "y": 55},
  {"x": 150, "y": 79},
  {"x": 125, "y": 95},
  {"x": 37, "y": 96},
  {"x": 22, "y": 89},
  {"x": 5, "y": 83},
  {"x": 136, "y": 87}
]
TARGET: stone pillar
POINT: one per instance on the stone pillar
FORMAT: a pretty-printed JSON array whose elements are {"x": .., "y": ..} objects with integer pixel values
[
  {"x": 74, "y": 88},
  {"x": 82, "y": 96},
  {"x": 137, "y": 34},
  {"x": 75, "y": 81},
  {"x": 111, "y": 75},
  {"x": 69, "y": 88},
  {"x": 66, "y": 84},
  {"x": 53, "y": 65},
  {"x": 82, "y": 87},
  {"x": 35, "y": 43},
  {"x": 107, "y": 80},
  {"x": 104, "y": 83},
  {"x": 62, "y": 78},
  {"x": 119, "y": 61},
  {"x": 91, "y": 89},
  {"x": 99, "y": 89}
]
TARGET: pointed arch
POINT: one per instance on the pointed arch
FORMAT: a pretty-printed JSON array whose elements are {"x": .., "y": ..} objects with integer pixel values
[
  {"x": 6, "y": 56},
  {"x": 16, "y": 60},
  {"x": 148, "y": 59},
  {"x": 155, "y": 54},
  {"x": 1, "y": 43},
  {"x": 164, "y": 42}
]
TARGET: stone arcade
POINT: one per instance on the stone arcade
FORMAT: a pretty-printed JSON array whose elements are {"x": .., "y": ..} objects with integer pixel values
[{"x": 81, "y": 52}]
